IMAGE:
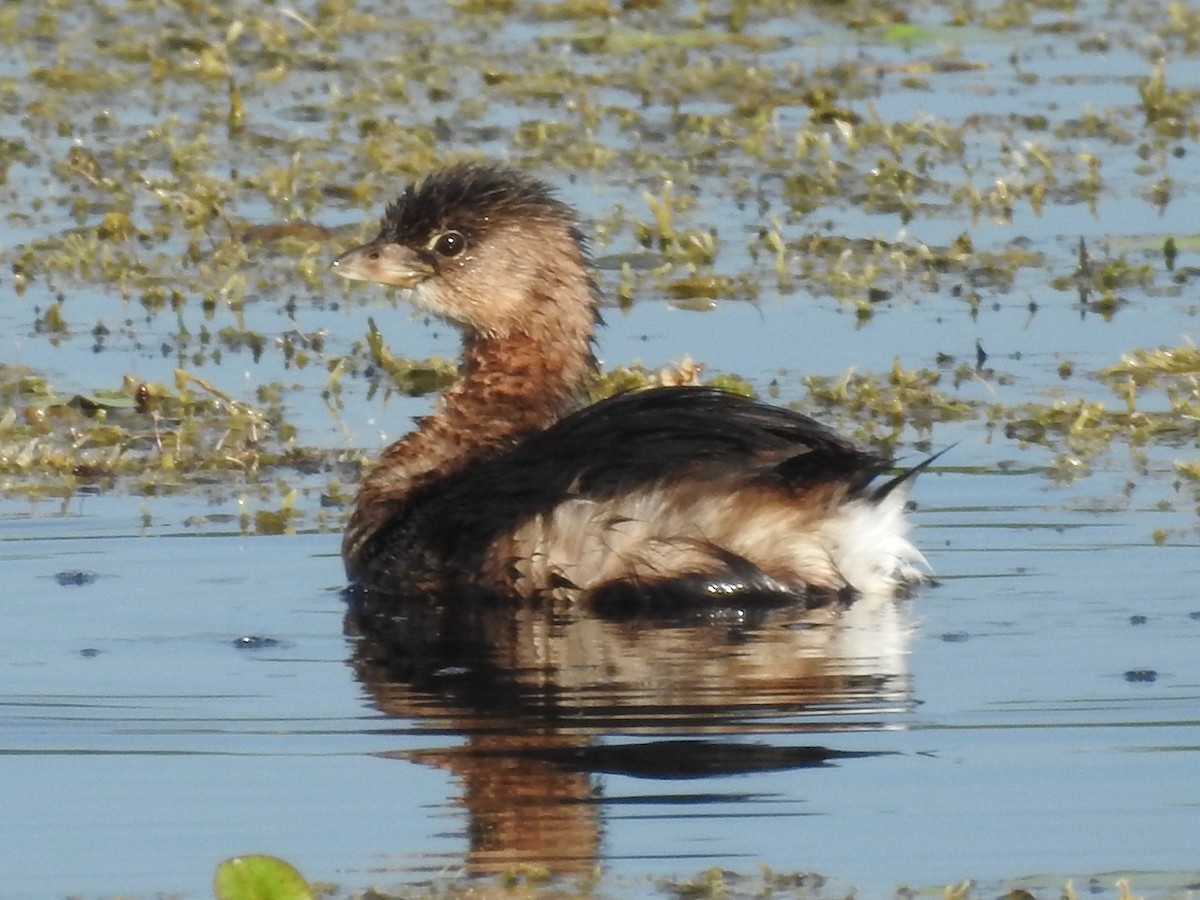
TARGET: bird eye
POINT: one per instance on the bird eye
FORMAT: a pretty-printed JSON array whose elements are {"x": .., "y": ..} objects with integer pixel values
[{"x": 451, "y": 243}]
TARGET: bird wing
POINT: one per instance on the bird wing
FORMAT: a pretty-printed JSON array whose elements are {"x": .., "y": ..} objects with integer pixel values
[{"x": 633, "y": 440}]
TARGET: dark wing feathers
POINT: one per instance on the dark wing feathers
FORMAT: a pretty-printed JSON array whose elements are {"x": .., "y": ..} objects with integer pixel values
[
  {"x": 641, "y": 437},
  {"x": 636, "y": 439}
]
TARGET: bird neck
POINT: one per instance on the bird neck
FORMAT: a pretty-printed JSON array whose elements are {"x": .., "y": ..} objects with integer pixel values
[
  {"x": 508, "y": 387},
  {"x": 512, "y": 386}
]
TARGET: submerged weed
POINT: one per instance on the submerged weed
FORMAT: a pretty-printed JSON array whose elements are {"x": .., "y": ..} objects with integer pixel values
[{"x": 145, "y": 438}]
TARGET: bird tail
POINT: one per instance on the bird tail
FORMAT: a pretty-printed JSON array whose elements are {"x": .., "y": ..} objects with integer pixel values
[{"x": 906, "y": 478}]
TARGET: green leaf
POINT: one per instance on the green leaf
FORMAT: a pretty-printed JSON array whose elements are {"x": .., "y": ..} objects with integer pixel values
[{"x": 259, "y": 878}]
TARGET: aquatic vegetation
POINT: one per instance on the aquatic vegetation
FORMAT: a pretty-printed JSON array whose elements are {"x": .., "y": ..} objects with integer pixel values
[
  {"x": 1167, "y": 414},
  {"x": 1154, "y": 366},
  {"x": 147, "y": 439},
  {"x": 255, "y": 877},
  {"x": 881, "y": 407},
  {"x": 407, "y": 376}
]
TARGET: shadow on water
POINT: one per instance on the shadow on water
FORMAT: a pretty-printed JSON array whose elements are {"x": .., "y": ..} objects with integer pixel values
[{"x": 544, "y": 701}]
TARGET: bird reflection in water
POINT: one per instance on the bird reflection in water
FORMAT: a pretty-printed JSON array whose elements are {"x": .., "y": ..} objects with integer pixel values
[{"x": 547, "y": 702}]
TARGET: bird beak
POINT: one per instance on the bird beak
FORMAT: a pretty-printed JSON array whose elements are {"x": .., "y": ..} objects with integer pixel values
[{"x": 384, "y": 263}]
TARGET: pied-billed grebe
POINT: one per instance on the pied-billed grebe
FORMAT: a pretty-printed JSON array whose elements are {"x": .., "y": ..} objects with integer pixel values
[{"x": 660, "y": 496}]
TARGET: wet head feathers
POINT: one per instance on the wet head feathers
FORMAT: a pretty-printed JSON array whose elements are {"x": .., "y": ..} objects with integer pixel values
[{"x": 471, "y": 198}]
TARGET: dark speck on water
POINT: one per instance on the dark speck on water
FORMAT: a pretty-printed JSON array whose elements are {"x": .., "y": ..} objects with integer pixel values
[
  {"x": 1137, "y": 620},
  {"x": 256, "y": 642},
  {"x": 1141, "y": 675},
  {"x": 75, "y": 577}
]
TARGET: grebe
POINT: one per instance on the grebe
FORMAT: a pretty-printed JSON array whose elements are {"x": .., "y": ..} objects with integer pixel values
[{"x": 652, "y": 498}]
